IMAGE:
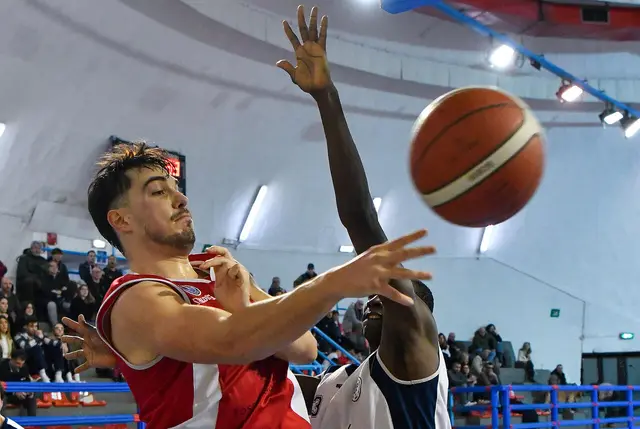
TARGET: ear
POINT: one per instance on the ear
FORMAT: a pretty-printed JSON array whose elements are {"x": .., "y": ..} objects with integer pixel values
[{"x": 120, "y": 220}]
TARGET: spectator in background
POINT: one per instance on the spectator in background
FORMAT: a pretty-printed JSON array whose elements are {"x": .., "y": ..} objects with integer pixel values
[
  {"x": 69, "y": 365},
  {"x": 483, "y": 341},
  {"x": 49, "y": 296},
  {"x": 444, "y": 347},
  {"x": 306, "y": 276},
  {"x": 3, "y": 269},
  {"x": 8, "y": 293},
  {"x": 33, "y": 341},
  {"x": 493, "y": 332},
  {"x": 275, "y": 289},
  {"x": 352, "y": 325},
  {"x": 6, "y": 422},
  {"x": 28, "y": 313},
  {"x": 4, "y": 312},
  {"x": 329, "y": 326},
  {"x": 456, "y": 377},
  {"x": 111, "y": 272},
  {"x": 477, "y": 363},
  {"x": 86, "y": 267},
  {"x": 63, "y": 272},
  {"x": 95, "y": 283},
  {"x": 84, "y": 303},
  {"x": 15, "y": 370},
  {"x": 6, "y": 340},
  {"x": 524, "y": 361},
  {"x": 559, "y": 372},
  {"x": 32, "y": 268}
]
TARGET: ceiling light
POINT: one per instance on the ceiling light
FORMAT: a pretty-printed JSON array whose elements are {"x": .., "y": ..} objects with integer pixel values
[
  {"x": 630, "y": 125},
  {"x": 346, "y": 249},
  {"x": 2, "y": 128},
  {"x": 99, "y": 244},
  {"x": 610, "y": 116},
  {"x": 501, "y": 57},
  {"x": 569, "y": 92}
]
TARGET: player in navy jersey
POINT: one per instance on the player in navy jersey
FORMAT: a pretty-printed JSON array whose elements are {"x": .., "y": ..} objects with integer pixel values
[{"x": 403, "y": 384}]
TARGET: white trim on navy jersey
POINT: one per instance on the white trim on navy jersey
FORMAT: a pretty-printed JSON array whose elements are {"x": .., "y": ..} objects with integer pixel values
[
  {"x": 370, "y": 396},
  {"x": 8, "y": 424}
]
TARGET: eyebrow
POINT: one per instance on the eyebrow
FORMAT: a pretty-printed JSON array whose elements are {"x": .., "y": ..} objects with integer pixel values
[{"x": 154, "y": 179}]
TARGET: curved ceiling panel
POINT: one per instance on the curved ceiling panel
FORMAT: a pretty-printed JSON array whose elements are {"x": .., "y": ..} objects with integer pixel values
[{"x": 553, "y": 19}]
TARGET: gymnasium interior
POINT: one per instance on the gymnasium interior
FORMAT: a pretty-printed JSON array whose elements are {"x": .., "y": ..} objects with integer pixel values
[{"x": 198, "y": 78}]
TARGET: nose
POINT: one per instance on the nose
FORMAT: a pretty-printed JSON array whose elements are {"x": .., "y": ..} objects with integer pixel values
[{"x": 180, "y": 200}]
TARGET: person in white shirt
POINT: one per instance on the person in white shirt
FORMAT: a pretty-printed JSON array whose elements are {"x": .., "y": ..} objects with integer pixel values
[{"x": 403, "y": 383}]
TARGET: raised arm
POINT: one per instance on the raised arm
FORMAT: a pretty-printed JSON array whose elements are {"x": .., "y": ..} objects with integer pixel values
[
  {"x": 203, "y": 334},
  {"x": 408, "y": 335}
]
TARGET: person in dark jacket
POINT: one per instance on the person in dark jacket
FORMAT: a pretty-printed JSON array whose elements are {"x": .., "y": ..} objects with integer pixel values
[
  {"x": 32, "y": 268},
  {"x": 13, "y": 370},
  {"x": 111, "y": 272},
  {"x": 86, "y": 267},
  {"x": 84, "y": 303},
  {"x": 306, "y": 276},
  {"x": 8, "y": 292},
  {"x": 63, "y": 272},
  {"x": 483, "y": 341},
  {"x": 492, "y": 331}
]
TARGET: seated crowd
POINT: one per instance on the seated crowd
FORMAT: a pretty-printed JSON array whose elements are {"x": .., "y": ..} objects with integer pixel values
[{"x": 30, "y": 313}]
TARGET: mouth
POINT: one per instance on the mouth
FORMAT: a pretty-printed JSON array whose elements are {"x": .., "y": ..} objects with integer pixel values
[{"x": 183, "y": 217}]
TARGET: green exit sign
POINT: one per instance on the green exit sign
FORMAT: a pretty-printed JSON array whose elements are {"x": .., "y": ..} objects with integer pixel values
[{"x": 555, "y": 312}]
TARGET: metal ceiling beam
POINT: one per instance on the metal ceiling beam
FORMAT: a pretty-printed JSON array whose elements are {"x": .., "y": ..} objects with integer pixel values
[{"x": 399, "y": 6}]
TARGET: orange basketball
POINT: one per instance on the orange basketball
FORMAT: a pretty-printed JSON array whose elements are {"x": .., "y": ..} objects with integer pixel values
[{"x": 477, "y": 156}]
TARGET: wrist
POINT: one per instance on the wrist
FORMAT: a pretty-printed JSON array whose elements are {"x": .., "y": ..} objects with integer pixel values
[
  {"x": 325, "y": 94},
  {"x": 329, "y": 286}
]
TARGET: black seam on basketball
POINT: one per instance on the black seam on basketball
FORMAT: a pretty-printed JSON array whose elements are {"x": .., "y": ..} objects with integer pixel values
[
  {"x": 456, "y": 122},
  {"x": 481, "y": 161},
  {"x": 494, "y": 171}
]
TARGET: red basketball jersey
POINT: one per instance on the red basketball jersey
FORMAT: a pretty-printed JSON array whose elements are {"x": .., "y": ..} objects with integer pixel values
[{"x": 174, "y": 394}]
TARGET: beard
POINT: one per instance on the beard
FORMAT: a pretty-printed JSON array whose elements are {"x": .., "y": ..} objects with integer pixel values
[{"x": 183, "y": 240}]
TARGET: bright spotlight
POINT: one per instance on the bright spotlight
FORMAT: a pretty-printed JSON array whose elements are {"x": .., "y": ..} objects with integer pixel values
[
  {"x": 502, "y": 57},
  {"x": 346, "y": 249},
  {"x": 569, "y": 92},
  {"x": 2, "y": 128},
  {"x": 630, "y": 125}
]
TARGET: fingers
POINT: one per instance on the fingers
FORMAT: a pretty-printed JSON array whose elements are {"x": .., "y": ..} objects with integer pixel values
[
  {"x": 400, "y": 273},
  {"x": 302, "y": 24},
  {"x": 322, "y": 39},
  {"x": 402, "y": 255},
  {"x": 74, "y": 355},
  {"x": 72, "y": 324},
  {"x": 394, "y": 295},
  {"x": 218, "y": 262},
  {"x": 403, "y": 241},
  {"x": 295, "y": 43},
  {"x": 85, "y": 366},
  {"x": 73, "y": 340},
  {"x": 288, "y": 67},
  {"x": 219, "y": 251},
  {"x": 313, "y": 25}
]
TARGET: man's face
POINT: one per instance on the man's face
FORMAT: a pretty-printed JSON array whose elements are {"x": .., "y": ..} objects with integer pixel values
[
  {"x": 17, "y": 363},
  {"x": 155, "y": 211},
  {"x": 96, "y": 273},
  {"x": 32, "y": 328},
  {"x": 91, "y": 258},
  {"x": 276, "y": 281},
  {"x": 53, "y": 268},
  {"x": 36, "y": 248},
  {"x": 457, "y": 367},
  {"x": 4, "y": 305},
  {"x": 57, "y": 257},
  {"x": 111, "y": 262},
  {"x": 7, "y": 285},
  {"x": 482, "y": 331},
  {"x": 559, "y": 369}
]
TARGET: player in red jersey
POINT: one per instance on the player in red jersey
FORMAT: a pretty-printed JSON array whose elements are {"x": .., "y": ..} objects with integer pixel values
[{"x": 194, "y": 350}]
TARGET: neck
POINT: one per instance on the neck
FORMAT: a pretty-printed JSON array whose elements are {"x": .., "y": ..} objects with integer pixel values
[
  {"x": 161, "y": 261},
  {"x": 2, "y": 419}
]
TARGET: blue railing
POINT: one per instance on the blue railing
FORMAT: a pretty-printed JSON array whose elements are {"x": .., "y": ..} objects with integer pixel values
[
  {"x": 335, "y": 345},
  {"x": 500, "y": 407}
]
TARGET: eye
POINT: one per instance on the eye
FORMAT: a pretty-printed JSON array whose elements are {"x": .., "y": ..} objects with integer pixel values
[{"x": 160, "y": 192}]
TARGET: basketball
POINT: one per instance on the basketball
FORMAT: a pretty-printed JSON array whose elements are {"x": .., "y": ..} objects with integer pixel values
[{"x": 477, "y": 156}]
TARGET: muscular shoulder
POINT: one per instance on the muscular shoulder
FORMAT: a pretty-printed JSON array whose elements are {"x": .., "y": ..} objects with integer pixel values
[{"x": 138, "y": 301}]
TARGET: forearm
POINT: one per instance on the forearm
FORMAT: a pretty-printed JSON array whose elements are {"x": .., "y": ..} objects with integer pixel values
[
  {"x": 302, "y": 350},
  {"x": 266, "y": 327},
  {"x": 353, "y": 199}
]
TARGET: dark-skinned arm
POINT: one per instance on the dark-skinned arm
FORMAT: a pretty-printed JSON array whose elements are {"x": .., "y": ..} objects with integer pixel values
[{"x": 409, "y": 345}]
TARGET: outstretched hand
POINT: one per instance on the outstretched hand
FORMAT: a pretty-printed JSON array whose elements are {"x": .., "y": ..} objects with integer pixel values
[
  {"x": 92, "y": 348},
  {"x": 311, "y": 72}
]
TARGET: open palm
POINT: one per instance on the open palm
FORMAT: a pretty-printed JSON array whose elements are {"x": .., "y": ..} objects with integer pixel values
[
  {"x": 311, "y": 72},
  {"x": 92, "y": 348}
]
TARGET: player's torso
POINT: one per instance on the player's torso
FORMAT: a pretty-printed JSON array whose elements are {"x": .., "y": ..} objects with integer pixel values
[
  {"x": 365, "y": 401},
  {"x": 177, "y": 394}
]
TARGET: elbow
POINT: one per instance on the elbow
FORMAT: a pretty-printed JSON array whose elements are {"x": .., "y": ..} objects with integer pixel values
[{"x": 307, "y": 353}]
